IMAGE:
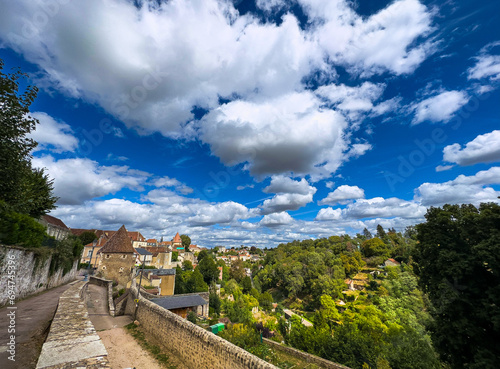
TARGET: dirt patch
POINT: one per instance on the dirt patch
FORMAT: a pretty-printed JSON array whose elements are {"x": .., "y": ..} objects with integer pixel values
[{"x": 125, "y": 352}]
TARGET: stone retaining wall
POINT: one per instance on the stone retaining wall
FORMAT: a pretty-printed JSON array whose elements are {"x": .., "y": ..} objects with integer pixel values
[
  {"x": 72, "y": 341},
  {"x": 109, "y": 285},
  {"x": 195, "y": 346},
  {"x": 322, "y": 363},
  {"x": 31, "y": 273}
]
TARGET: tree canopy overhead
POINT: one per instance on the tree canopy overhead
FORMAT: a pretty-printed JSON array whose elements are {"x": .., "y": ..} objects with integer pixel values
[{"x": 27, "y": 190}]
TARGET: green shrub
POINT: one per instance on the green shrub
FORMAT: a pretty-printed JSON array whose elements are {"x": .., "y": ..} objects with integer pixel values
[{"x": 20, "y": 229}]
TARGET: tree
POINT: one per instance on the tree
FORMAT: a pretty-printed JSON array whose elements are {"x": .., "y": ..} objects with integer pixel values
[
  {"x": 246, "y": 284},
  {"x": 187, "y": 265},
  {"x": 458, "y": 261},
  {"x": 208, "y": 269},
  {"x": 237, "y": 271},
  {"x": 367, "y": 234},
  {"x": 25, "y": 189},
  {"x": 202, "y": 254},
  {"x": 87, "y": 237},
  {"x": 375, "y": 247},
  {"x": 266, "y": 301},
  {"x": 175, "y": 256},
  {"x": 186, "y": 241}
]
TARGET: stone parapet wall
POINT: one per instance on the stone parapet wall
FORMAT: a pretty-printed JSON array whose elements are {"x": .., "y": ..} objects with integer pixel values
[
  {"x": 109, "y": 286},
  {"x": 322, "y": 363},
  {"x": 72, "y": 341},
  {"x": 30, "y": 275},
  {"x": 195, "y": 346}
]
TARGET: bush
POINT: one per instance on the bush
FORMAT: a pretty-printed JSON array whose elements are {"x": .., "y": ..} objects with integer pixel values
[
  {"x": 20, "y": 229},
  {"x": 192, "y": 317}
]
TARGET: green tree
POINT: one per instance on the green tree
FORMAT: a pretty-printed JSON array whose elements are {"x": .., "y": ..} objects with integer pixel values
[
  {"x": 208, "y": 269},
  {"x": 187, "y": 265},
  {"x": 27, "y": 190},
  {"x": 175, "y": 256},
  {"x": 19, "y": 229},
  {"x": 375, "y": 247},
  {"x": 458, "y": 261},
  {"x": 202, "y": 254},
  {"x": 266, "y": 301},
  {"x": 186, "y": 241},
  {"x": 246, "y": 284},
  {"x": 237, "y": 271},
  {"x": 87, "y": 237}
]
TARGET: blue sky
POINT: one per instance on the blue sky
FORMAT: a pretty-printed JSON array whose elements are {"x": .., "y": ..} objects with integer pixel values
[{"x": 260, "y": 122}]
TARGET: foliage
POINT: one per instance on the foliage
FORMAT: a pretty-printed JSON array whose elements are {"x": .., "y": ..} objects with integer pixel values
[
  {"x": 458, "y": 261},
  {"x": 189, "y": 281},
  {"x": 187, "y": 265},
  {"x": 65, "y": 253},
  {"x": 175, "y": 256},
  {"x": 186, "y": 241},
  {"x": 192, "y": 317},
  {"x": 246, "y": 284},
  {"x": 375, "y": 247},
  {"x": 26, "y": 189},
  {"x": 202, "y": 254},
  {"x": 87, "y": 237},
  {"x": 237, "y": 271},
  {"x": 208, "y": 269},
  {"x": 214, "y": 303},
  {"x": 266, "y": 301},
  {"x": 19, "y": 229}
]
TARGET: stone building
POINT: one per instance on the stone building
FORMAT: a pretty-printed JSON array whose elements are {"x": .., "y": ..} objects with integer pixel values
[
  {"x": 117, "y": 258},
  {"x": 55, "y": 227}
]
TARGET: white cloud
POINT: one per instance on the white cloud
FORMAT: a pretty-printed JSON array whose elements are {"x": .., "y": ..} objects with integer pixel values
[
  {"x": 462, "y": 190},
  {"x": 487, "y": 65},
  {"x": 442, "y": 168},
  {"x": 151, "y": 64},
  {"x": 282, "y": 184},
  {"x": 172, "y": 182},
  {"x": 241, "y": 188},
  {"x": 439, "y": 108},
  {"x": 342, "y": 195},
  {"x": 276, "y": 219},
  {"x": 483, "y": 149},
  {"x": 221, "y": 213},
  {"x": 290, "y": 134},
  {"x": 381, "y": 42},
  {"x": 53, "y": 135},
  {"x": 384, "y": 208},
  {"x": 329, "y": 214},
  {"x": 78, "y": 180},
  {"x": 290, "y": 194}
]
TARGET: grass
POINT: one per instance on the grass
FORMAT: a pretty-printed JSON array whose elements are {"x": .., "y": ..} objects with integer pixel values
[{"x": 163, "y": 359}]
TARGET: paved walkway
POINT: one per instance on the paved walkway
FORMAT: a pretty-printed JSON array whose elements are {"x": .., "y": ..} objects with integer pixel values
[{"x": 33, "y": 316}]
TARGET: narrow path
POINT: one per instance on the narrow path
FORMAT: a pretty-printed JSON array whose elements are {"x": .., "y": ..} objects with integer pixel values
[
  {"x": 33, "y": 317},
  {"x": 123, "y": 349}
]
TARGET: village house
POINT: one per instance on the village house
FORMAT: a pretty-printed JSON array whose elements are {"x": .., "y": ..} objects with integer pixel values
[
  {"x": 117, "y": 258},
  {"x": 143, "y": 256},
  {"x": 152, "y": 242},
  {"x": 161, "y": 257},
  {"x": 182, "y": 305},
  {"x": 55, "y": 227}
]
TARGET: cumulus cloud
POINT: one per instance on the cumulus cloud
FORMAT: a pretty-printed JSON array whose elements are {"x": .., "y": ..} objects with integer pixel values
[
  {"x": 290, "y": 195},
  {"x": 53, "y": 135},
  {"x": 342, "y": 195},
  {"x": 329, "y": 214},
  {"x": 439, "y": 108},
  {"x": 461, "y": 190},
  {"x": 483, "y": 149},
  {"x": 152, "y": 63},
  {"x": 384, "y": 208},
  {"x": 282, "y": 184},
  {"x": 381, "y": 42},
  {"x": 289, "y": 134},
  {"x": 78, "y": 180},
  {"x": 276, "y": 219},
  {"x": 221, "y": 213}
]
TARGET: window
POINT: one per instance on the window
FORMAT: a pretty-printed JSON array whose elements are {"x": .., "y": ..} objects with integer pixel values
[
  {"x": 104, "y": 267},
  {"x": 121, "y": 269},
  {"x": 124, "y": 256},
  {"x": 89, "y": 253},
  {"x": 108, "y": 256}
]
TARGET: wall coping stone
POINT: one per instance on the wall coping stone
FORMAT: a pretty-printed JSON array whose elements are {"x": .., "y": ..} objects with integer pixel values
[{"x": 72, "y": 341}]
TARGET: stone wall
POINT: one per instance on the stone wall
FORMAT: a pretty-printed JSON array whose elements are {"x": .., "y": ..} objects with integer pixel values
[
  {"x": 195, "y": 346},
  {"x": 30, "y": 273},
  {"x": 72, "y": 341},
  {"x": 109, "y": 286},
  {"x": 322, "y": 363}
]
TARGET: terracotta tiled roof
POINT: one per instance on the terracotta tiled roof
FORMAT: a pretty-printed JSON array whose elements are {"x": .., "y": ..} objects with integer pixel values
[
  {"x": 177, "y": 238},
  {"x": 151, "y": 240},
  {"x": 155, "y": 250},
  {"x": 118, "y": 243},
  {"x": 136, "y": 236},
  {"x": 54, "y": 221}
]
